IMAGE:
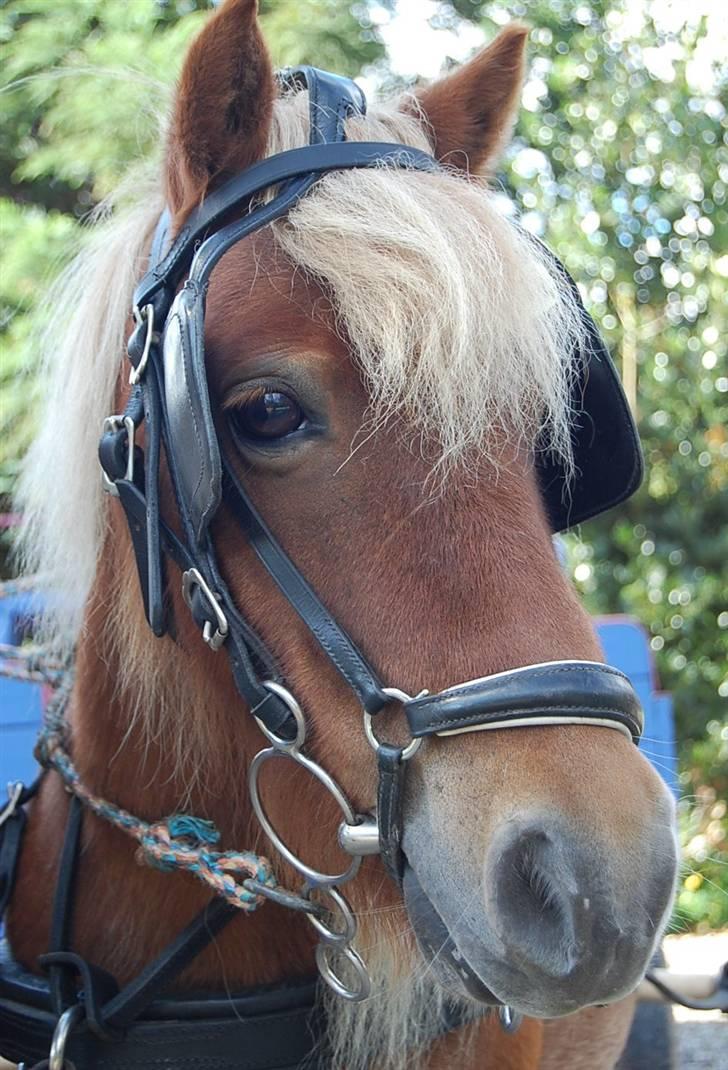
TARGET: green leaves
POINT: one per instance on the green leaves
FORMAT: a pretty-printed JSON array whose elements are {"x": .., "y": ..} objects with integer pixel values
[
  {"x": 36, "y": 244},
  {"x": 85, "y": 87}
]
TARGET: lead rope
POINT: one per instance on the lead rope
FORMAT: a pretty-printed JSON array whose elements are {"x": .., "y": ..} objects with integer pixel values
[
  {"x": 244, "y": 879},
  {"x": 180, "y": 841}
]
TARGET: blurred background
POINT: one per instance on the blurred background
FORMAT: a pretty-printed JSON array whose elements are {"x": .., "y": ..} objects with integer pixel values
[{"x": 619, "y": 161}]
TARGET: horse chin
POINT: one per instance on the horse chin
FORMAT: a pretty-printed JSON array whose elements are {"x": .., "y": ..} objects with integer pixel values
[{"x": 448, "y": 964}]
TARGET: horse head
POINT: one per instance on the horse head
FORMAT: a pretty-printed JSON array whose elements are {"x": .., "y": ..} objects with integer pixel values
[{"x": 386, "y": 364}]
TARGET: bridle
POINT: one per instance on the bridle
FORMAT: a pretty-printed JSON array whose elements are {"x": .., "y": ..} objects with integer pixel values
[{"x": 169, "y": 396}]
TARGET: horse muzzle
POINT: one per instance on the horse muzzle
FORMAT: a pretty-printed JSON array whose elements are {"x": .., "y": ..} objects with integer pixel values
[{"x": 545, "y": 933}]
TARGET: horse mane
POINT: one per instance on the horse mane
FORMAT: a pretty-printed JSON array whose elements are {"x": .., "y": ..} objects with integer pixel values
[{"x": 457, "y": 320}]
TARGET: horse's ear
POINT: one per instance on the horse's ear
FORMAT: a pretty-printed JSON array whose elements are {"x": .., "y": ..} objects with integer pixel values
[
  {"x": 472, "y": 111},
  {"x": 223, "y": 107}
]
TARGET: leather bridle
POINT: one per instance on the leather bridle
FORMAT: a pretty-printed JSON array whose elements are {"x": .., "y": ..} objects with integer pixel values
[{"x": 169, "y": 396}]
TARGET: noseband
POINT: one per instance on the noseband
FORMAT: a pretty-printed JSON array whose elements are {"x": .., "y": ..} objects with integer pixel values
[{"x": 170, "y": 395}]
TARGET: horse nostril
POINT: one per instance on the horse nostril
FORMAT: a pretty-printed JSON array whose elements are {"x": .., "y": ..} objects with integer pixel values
[
  {"x": 536, "y": 896},
  {"x": 538, "y": 882}
]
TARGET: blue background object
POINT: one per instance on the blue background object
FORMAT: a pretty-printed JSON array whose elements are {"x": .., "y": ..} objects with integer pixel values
[
  {"x": 21, "y": 703},
  {"x": 626, "y": 646}
]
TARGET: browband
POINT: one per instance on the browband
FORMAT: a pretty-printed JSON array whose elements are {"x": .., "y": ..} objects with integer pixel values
[{"x": 314, "y": 160}]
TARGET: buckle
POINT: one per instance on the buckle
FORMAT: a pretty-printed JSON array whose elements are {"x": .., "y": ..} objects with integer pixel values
[
  {"x": 113, "y": 424},
  {"x": 192, "y": 581},
  {"x": 141, "y": 316}
]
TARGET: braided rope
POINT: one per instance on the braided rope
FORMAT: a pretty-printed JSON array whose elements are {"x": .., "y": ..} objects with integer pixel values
[
  {"x": 180, "y": 842},
  {"x": 30, "y": 664}
]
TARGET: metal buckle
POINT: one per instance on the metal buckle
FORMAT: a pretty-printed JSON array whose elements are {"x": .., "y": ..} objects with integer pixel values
[
  {"x": 147, "y": 313},
  {"x": 191, "y": 579},
  {"x": 15, "y": 790},
  {"x": 116, "y": 423}
]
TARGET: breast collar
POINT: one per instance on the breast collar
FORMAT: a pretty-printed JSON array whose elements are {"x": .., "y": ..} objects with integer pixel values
[{"x": 170, "y": 397}]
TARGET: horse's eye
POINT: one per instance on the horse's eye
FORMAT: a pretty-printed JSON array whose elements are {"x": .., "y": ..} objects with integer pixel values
[{"x": 267, "y": 415}]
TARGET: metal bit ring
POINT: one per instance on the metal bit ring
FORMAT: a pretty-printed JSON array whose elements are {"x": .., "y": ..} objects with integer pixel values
[
  {"x": 332, "y": 979},
  {"x": 330, "y": 935},
  {"x": 400, "y": 696},
  {"x": 57, "y": 1054}
]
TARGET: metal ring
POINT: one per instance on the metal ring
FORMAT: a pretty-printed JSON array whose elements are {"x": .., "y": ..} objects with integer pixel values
[
  {"x": 333, "y": 936},
  {"x": 354, "y": 995},
  {"x": 69, "y": 1018},
  {"x": 401, "y": 696},
  {"x": 146, "y": 313},
  {"x": 281, "y": 744},
  {"x": 313, "y": 876}
]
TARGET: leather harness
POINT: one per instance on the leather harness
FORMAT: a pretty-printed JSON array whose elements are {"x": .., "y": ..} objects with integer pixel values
[{"x": 277, "y": 1027}]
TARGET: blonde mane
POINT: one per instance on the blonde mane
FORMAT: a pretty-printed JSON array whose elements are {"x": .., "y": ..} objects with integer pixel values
[{"x": 457, "y": 321}]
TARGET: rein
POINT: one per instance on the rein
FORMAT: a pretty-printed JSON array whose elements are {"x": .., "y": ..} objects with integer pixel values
[{"x": 170, "y": 397}]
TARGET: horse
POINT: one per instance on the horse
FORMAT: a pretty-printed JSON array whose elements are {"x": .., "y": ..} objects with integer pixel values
[{"x": 387, "y": 364}]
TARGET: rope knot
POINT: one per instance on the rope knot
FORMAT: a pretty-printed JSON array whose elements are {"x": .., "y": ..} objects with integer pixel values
[
  {"x": 49, "y": 742},
  {"x": 182, "y": 842}
]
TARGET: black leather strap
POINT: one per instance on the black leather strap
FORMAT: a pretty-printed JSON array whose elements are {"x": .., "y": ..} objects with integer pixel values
[
  {"x": 390, "y": 799},
  {"x": 92, "y": 987},
  {"x": 329, "y": 634},
  {"x": 583, "y": 690},
  {"x": 332, "y": 99},
  {"x": 152, "y": 437},
  {"x": 276, "y": 1027},
  {"x": 61, "y": 982},
  {"x": 309, "y": 160},
  {"x": 133, "y": 1000},
  {"x": 11, "y": 840}
]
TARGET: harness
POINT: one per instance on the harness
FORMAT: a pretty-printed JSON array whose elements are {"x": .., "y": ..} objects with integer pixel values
[{"x": 79, "y": 1014}]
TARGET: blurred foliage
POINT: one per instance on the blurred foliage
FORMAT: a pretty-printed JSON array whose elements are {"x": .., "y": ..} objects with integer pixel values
[
  {"x": 619, "y": 161},
  {"x": 703, "y": 895}
]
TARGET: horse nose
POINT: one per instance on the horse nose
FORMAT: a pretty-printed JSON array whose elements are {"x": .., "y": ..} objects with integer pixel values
[{"x": 550, "y": 909}]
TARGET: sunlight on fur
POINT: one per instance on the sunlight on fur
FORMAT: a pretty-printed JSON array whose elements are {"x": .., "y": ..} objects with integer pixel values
[{"x": 457, "y": 320}]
